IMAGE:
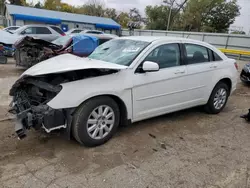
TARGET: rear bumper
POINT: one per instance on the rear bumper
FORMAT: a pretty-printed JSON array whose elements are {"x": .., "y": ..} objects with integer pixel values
[{"x": 245, "y": 76}]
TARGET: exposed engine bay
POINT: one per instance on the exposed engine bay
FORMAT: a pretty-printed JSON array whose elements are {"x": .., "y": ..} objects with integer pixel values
[
  {"x": 31, "y": 95},
  {"x": 30, "y": 51}
]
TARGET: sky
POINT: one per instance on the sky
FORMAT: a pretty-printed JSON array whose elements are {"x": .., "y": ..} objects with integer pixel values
[{"x": 242, "y": 21}]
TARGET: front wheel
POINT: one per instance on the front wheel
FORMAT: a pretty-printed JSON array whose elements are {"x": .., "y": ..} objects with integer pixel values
[
  {"x": 218, "y": 99},
  {"x": 96, "y": 121}
]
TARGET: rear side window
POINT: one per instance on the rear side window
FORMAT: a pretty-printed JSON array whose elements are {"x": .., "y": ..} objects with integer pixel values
[
  {"x": 196, "y": 54},
  {"x": 42, "y": 30},
  {"x": 76, "y": 31},
  {"x": 57, "y": 29}
]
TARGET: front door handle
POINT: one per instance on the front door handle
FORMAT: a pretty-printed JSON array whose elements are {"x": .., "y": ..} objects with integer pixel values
[
  {"x": 180, "y": 72},
  {"x": 213, "y": 66}
]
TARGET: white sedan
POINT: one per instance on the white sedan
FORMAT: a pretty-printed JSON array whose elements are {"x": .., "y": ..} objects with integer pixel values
[{"x": 124, "y": 80}]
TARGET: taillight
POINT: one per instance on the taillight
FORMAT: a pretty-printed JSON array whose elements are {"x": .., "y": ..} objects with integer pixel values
[
  {"x": 1, "y": 47},
  {"x": 63, "y": 34},
  {"x": 236, "y": 66}
]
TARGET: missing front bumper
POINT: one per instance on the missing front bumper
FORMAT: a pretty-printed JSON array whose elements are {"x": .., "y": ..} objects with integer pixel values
[{"x": 40, "y": 117}]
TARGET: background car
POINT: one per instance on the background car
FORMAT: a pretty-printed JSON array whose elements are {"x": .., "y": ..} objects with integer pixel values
[
  {"x": 7, "y": 40},
  {"x": 124, "y": 80},
  {"x": 93, "y": 32},
  {"x": 48, "y": 33},
  {"x": 74, "y": 31},
  {"x": 11, "y": 28},
  {"x": 245, "y": 74},
  {"x": 30, "y": 51}
]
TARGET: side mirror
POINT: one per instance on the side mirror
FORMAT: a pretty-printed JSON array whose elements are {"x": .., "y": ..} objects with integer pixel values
[
  {"x": 149, "y": 66},
  {"x": 23, "y": 33}
]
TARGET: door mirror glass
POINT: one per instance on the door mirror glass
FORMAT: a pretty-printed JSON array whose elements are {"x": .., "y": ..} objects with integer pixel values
[{"x": 149, "y": 66}]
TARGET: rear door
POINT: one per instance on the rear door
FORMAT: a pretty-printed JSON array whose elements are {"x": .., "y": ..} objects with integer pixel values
[
  {"x": 44, "y": 33},
  {"x": 200, "y": 71}
]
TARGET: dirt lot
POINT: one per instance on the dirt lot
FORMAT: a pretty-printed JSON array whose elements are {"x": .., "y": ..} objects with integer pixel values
[{"x": 184, "y": 149}]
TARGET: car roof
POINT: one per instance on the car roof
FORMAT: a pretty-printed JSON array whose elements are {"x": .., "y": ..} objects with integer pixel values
[
  {"x": 40, "y": 25},
  {"x": 99, "y": 36},
  {"x": 86, "y": 30},
  {"x": 165, "y": 38}
]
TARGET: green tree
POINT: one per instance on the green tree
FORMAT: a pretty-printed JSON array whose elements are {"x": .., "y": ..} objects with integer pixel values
[
  {"x": 67, "y": 8},
  {"x": 111, "y": 13},
  {"x": 123, "y": 19},
  {"x": 222, "y": 16},
  {"x": 93, "y": 8},
  {"x": 209, "y": 15},
  {"x": 157, "y": 17},
  {"x": 52, "y": 4}
]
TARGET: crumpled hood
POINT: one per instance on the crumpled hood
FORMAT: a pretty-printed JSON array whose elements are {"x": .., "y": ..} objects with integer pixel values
[{"x": 68, "y": 62}]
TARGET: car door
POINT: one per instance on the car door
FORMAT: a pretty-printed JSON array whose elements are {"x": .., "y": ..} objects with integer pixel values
[
  {"x": 200, "y": 72},
  {"x": 156, "y": 93},
  {"x": 43, "y": 33},
  {"x": 29, "y": 31}
]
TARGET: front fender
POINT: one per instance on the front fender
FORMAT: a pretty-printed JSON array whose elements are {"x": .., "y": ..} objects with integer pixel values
[{"x": 75, "y": 93}]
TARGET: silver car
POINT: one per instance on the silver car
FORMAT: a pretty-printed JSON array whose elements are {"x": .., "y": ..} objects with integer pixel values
[{"x": 45, "y": 32}]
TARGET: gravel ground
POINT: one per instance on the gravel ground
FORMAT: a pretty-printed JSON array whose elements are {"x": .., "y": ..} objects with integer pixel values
[{"x": 181, "y": 150}]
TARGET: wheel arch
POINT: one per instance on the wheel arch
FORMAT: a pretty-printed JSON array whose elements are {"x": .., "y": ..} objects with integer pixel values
[
  {"x": 121, "y": 104},
  {"x": 225, "y": 80},
  {"x": 228, "y": 82}
]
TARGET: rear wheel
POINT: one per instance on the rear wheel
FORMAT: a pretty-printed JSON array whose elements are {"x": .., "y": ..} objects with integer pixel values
[
  {"x": 96, "y": 121},
  {"x": 218, "y": 98}
]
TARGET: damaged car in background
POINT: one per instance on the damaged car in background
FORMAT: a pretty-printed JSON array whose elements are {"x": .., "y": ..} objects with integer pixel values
[
  {"x": 245, "y": 74},
  {"x": 124, "y": 80},
  {"x": 30, "y": 51}
]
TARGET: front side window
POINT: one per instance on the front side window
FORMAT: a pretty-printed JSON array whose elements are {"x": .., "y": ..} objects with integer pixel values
[
  {"x": 196, "y": 53},
  {"x": 29, "y": 30},
  {"x": 167, "y": 55},
  {"x": 119, "y": 51}
]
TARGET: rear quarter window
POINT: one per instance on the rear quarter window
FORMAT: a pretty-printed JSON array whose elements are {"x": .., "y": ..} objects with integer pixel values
[
  {"x": 216, "y": 57},
  {"x": 57, "y": 29}
]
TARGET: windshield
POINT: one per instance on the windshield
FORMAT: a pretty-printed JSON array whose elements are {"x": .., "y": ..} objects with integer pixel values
[
  {"x": 119, "y": 51},
  {"x": 62, "y": 41}
]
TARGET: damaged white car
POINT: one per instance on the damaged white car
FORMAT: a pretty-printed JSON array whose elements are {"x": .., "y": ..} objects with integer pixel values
[{"x": 124, "y": 80}]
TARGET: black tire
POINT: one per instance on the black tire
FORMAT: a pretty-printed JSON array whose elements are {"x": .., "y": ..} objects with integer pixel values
[
  {"x": 210, "y": 107},
  {"x": 80, "y": 118},
  {"x": 3, "y": 60}
]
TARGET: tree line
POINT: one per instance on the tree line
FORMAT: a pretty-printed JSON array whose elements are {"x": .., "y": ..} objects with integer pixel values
[{"x": 181, "y": 15}]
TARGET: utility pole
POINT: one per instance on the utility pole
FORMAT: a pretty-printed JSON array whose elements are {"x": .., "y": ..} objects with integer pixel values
[{"x": 170, "y": 11}]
